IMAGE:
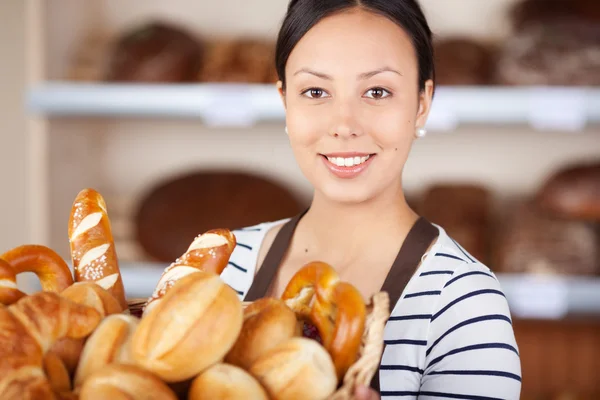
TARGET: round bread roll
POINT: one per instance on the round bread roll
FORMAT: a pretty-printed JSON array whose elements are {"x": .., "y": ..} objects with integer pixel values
[
  {"x": 127, "y": 382},
  {"x": 227, "y": 382},
  {"x": 110, "y": 343},
  {"x": 267, "y": 323},
  {"x": 193, "y": 327},
  {"x": 91, "y": 294},
  {"x": 298, "y": 369}
]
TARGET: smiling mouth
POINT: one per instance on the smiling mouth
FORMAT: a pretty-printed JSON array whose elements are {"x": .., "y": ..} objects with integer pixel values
[{"x": 348, "y": 161}]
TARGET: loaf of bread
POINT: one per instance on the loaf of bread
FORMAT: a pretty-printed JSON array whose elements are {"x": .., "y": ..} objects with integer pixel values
[
  {"x": 92, "y": 295},
  {"x": 156, "y": 52},
  {"x": 92, "y": 246},
  {"x": 463, "y": 210},
  {"x": 224, "y": 381},
  {"x": 463, "y": 61},
  {"x": 121, "y": 381},
  {"x": 297, "y": 369},
  {"x": 572, "y": 192},
  {"x": 193, "y": 327},
  {"x": 208, "y": 252},
  {"x": 243, "y": 60},
  {"x": 110, "y": 343},
  {"x": 532, "y": 241},
  {"x": 267, "y": 323}
]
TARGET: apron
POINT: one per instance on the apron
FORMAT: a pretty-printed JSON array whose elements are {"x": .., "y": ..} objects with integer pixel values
[{"x": 418, "y": 240}]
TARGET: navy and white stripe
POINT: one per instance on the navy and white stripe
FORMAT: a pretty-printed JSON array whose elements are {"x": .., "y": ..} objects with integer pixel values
[{"x": 449, "y": 336}]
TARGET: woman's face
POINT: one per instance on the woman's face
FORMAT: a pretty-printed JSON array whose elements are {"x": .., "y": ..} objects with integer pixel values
[{"x": 353, "y": 105}]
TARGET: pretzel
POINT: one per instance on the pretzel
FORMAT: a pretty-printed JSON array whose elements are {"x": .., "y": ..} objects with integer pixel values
[
  {"x": 338, "y": 311},
  {"x": 209, "y": 252},
  {"x": 9, "y": 293},
  {"x": 92, "y": 245},
  {"x": 50, "y": 268}
]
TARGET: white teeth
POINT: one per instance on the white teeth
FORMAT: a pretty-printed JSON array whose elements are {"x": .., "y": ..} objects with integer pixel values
[{"x": 347, "y": 162}]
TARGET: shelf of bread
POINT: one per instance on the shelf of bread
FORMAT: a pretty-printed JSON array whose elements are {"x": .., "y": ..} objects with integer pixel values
[{"x": 244, "y": 104}]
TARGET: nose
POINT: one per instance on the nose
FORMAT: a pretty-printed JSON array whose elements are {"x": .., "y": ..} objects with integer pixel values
[{"x": 345, "y": 121}]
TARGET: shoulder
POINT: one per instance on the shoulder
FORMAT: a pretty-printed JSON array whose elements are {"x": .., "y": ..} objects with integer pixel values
[
  {"x": 470, "y": 325},
  {"x": 252, "y": 243}
]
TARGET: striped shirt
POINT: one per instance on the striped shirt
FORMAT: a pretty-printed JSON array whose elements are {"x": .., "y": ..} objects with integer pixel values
[{"x": 449, "y": 336}]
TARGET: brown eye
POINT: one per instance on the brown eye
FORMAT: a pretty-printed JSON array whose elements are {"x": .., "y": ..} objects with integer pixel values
[
  {"x": 377, "y": 93},
  {"x": 315, "y": 93}
]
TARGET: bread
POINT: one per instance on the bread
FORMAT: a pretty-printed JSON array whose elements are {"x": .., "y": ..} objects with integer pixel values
[
  {"x": 57, "y": 373},
  {"x": 298, "y": 369},
  {"x": 155, "y": 52},
  {"x": 9, "y": 292},
  {"x": 110, "y": 343},
  {"x": 532, "y": 241},
  {"x": 572, "y": 192},
  {"x": 69, "y": 351},
  {"x": 50, "y": 268},
  {"x": 127, "y": 382},
  {"x": 244, "y": 60},
  {"x": 463, "y": 61},
  {"x": 208, "y": 252},
  {"x": 338, "y": 311},
  {"x": 29, "y": 328},
  {"x": 92, "y": 295},
  {"x": 267, "y": 323},
  {"x": 193, "y": 327},
  {"x": 227, "y": 382},
  {"x": 464, "y": 211},
  {"x": 92, "y": 246}
]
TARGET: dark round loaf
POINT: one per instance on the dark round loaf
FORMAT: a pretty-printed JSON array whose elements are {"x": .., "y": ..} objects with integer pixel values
[
  {"x": 573, "y": 192},
  {"x": 172, "y": 213},
  {"x": 155, "y": 52}
]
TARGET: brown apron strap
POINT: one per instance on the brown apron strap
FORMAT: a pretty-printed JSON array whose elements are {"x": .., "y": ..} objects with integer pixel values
[
  {"x": 418, "y": 240},
  {"x": 266, "y": 273}
]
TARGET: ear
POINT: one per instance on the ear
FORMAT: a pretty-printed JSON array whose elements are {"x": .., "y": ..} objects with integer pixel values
[
  {"x": 425, "y": 99},
  {"x": 281, "y": 92}
]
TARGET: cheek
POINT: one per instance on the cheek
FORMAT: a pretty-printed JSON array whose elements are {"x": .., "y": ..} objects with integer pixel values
[
  {"x": 392, "y": 128},
  {"x": 304, "y": 128}
]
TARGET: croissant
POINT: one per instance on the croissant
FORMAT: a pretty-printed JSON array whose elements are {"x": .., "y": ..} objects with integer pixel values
[{"x": 28, "y": 329}]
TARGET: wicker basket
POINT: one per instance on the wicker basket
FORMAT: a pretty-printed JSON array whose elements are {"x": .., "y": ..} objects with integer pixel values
[{"x": 363, "y": 370}]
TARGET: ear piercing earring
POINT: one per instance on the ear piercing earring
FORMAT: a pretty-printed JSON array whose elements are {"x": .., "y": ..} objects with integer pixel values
[
  {"x": 421, "y": 132},
  {"x": 286, "y": 131}
]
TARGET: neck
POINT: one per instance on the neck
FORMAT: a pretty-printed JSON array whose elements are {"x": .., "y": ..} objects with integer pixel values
[{"x": 344, "y": 230}]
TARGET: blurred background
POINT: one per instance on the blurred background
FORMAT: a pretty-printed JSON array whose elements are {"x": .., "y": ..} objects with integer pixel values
[{"x": 170, "y": 111}]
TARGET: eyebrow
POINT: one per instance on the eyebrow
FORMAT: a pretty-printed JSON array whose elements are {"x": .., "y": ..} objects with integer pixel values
[{"x": 364, "y": 75}]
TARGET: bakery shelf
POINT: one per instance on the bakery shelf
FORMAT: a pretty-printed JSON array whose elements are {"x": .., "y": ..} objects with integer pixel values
[{"x": 543, "y": 108}]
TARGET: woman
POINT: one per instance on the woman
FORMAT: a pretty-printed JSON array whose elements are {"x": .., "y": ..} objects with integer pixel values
[{"x": 357, "y": 81}]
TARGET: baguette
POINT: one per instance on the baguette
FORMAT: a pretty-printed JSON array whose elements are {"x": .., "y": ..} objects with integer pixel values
[
  {"x": 208, "y": 252},
  {"x": 92, "y": 245}
]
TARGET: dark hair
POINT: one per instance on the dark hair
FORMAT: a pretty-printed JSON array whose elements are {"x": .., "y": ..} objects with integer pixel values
[{"x": 302, "y": 15}]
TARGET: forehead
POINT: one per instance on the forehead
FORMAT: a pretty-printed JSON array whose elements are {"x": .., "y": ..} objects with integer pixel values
[{"x": 354, "y": 40}]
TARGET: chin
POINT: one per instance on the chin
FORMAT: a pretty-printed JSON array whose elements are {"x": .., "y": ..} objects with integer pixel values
[{"x": 347, "y": 193}]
